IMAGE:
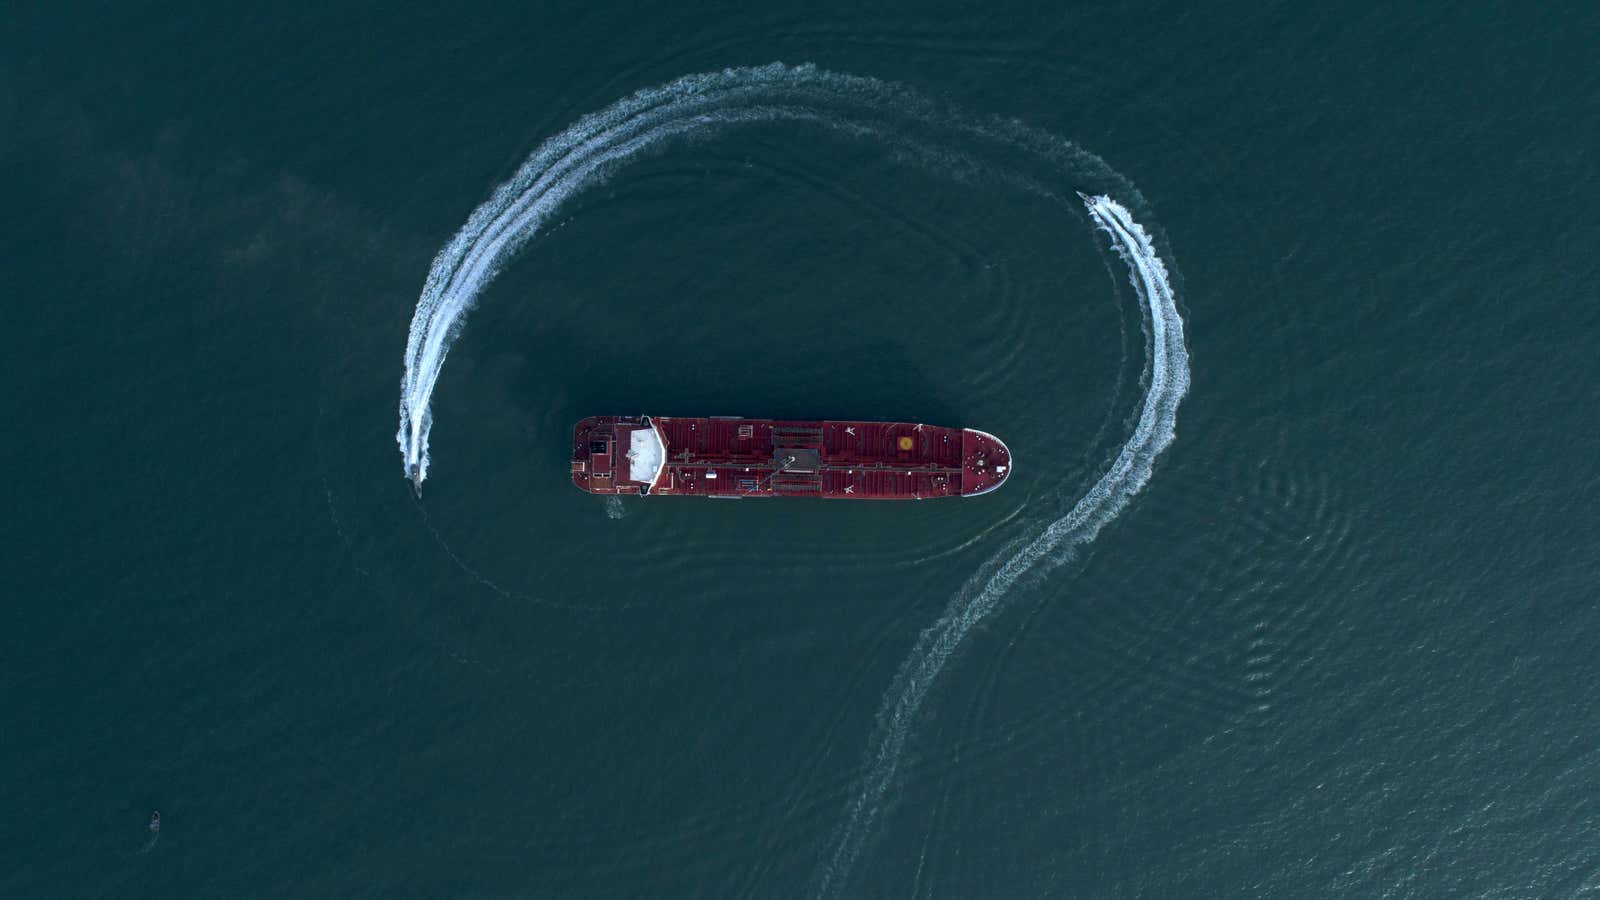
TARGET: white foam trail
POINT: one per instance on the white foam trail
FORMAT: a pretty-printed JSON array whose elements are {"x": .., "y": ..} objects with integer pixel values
[
  {"x": 698, "y": 105},
  {"x": 567, "y": 164},
  {"x": 1167, "y": 373},
  {"x": 692, "y": 106}
]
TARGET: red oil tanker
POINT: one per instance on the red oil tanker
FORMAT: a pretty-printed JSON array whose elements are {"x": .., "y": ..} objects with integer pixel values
[{"x": 731, "y": 457}]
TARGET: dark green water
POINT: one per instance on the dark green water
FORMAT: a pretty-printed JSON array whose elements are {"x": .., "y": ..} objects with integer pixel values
[{"x": 1339, "y": 645}]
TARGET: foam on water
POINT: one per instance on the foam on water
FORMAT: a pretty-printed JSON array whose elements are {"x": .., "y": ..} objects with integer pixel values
[
  {"x": 565, "y": 165},
  {"x": 692, "y": 106},
  {"x": 1167, "y": 374},
  {"x": 701, "y": 105}
]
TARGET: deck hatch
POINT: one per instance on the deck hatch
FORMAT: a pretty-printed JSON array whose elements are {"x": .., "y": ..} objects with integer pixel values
[{"x": 796, "y": 459}]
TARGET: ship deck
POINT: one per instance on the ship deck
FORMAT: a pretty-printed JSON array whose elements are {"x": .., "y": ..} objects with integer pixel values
[{"x": 736, "y": 457}]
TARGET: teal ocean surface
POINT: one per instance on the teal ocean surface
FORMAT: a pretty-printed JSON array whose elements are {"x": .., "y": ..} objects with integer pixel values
[{"x": 1292, "y": 592}]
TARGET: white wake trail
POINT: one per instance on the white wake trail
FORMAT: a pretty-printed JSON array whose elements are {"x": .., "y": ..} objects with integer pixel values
[
  {"x": 1167, "y": 373},
  {"x": 692, "y": 106},
  {"x": 574, "y": 160},
  {"x": 699, "y": 105}
]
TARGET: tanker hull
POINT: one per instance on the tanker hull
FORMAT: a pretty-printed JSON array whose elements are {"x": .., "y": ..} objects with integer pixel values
[{"x": 737, "y": 458}]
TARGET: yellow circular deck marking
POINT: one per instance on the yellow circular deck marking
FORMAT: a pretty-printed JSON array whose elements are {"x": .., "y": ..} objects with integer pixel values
[{"x": 905, "y": 443}]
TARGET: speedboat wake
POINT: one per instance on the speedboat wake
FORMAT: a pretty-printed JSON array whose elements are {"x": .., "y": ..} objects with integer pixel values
[{"x": 915, "y": 132}]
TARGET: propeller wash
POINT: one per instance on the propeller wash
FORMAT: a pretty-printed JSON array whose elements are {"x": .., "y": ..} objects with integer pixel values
[{"x": 918, "y": 133}]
